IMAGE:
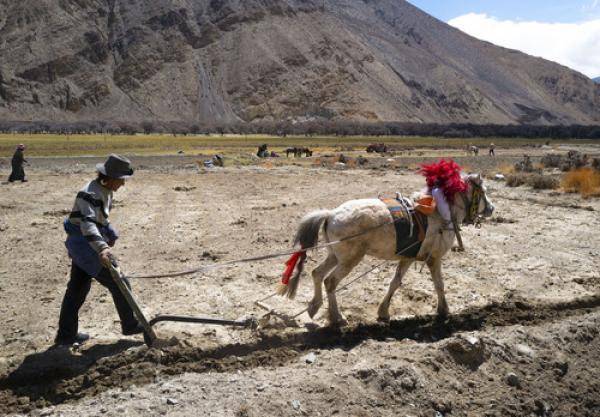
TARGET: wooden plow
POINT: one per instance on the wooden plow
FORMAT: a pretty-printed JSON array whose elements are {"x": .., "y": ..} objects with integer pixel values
[{"x": 150, "y": 337}]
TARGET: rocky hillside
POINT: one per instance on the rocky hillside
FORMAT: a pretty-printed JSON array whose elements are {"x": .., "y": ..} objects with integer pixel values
[
  {"x": 597, "y": 80},
  {"x": 220, "y": 61}
]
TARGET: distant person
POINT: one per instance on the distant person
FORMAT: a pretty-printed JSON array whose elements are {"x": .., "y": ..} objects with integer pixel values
[
  {"x": 90, "y": 238},
  {"x": 18, "y": 159},
  {"x": 492, "y": 149},
  {"x": 262, "y": 151}
]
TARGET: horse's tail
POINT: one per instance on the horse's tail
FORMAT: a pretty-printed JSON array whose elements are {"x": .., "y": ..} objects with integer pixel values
[{"x": 307, "y": 237}]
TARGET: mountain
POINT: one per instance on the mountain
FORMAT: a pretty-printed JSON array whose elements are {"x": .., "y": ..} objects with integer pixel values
[
  {"x": 209, "y": 61},
  {"x": 597, "y": 80}
]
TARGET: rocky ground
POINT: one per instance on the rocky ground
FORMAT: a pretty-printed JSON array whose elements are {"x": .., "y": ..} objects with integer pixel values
[{"x": 522, "y": 338}]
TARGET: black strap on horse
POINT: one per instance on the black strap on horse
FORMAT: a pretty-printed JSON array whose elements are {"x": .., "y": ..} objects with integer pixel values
[
  {"x": 461, "y": 247},
  {"x": 472, "y": 208}
]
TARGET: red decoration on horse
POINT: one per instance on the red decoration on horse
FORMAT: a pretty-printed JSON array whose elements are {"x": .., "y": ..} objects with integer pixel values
[{"x": 444, "y": 174}]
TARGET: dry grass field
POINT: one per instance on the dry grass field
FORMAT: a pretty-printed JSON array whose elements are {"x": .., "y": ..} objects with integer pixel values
[
  {"x": 522, "y": 338},
  {"x": 98, "y": 145}
]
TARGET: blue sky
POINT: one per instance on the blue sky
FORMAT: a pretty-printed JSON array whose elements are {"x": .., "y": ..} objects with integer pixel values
[
  {"x": 551, "y": 11},
  {"x": 563, "y": 31}
]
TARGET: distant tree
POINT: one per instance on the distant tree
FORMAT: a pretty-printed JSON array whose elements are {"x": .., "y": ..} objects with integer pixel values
[{"x": 148, "y": 127}]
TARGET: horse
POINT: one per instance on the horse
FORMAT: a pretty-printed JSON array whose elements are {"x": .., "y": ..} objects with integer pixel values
[
  {"x": 472, "y": 149},
  {"x": 298, "y": 152},
  {"x": 377, "y": 147},
  {"x": 365, "y": 227}
]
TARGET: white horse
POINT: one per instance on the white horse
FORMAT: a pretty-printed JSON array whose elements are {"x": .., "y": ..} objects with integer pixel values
[
  {"x": 472, "y": 149},
  {"x": 365, "y": 227}
]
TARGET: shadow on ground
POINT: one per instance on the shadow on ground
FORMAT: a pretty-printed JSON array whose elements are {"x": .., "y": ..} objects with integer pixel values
[{"x": 57, "y": 375}]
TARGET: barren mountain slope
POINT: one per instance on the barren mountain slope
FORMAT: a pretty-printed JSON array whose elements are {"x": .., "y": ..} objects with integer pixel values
[{"x": 231, "y": 60}]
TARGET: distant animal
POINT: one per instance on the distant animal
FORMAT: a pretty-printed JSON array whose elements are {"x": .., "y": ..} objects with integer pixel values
[
  {"x": 217, "y": 160},
  {"x": 368, "y": 227},
  {"x": 472, "y": 150},
  {"x": 298, "y": 152},
  {"x": 377, "y": 147}
]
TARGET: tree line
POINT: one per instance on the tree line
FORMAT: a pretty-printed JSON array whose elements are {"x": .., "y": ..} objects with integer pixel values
[{"x": 309, "y": 128}]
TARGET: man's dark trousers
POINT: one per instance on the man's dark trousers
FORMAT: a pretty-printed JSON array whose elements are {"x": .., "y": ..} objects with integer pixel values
[{"x": 77, "y": 290}]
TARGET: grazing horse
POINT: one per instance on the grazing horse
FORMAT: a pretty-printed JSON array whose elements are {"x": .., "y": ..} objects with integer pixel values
[
  {"x": 472, "y": 150},
  {"x": 298, "y": 152},
  {"x": 365, "y": 227},
  {"x": 377, "y": 147},
  {"x": 307, "y": 152}
]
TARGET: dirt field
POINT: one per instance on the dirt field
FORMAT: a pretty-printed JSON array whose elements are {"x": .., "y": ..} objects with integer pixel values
[{"x": 522, "y": 339}]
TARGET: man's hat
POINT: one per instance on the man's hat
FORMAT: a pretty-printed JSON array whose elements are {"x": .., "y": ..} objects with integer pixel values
[{"x": 116, "y": 166}]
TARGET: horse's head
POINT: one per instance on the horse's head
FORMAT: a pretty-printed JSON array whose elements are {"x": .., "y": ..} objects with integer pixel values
[{"x": 475, "y": 202}]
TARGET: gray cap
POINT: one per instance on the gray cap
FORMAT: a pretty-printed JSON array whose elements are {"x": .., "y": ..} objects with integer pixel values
[{"x": 116, "y": 166}]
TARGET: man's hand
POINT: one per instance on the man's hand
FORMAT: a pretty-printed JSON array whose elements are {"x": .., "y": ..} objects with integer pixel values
[{"x": 105, "y": 256}]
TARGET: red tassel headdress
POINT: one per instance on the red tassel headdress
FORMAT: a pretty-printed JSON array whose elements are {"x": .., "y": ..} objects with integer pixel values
[{"x": 446, "y": 175}]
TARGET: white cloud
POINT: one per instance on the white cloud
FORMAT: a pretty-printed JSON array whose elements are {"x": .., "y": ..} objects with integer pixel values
[{"x": 576, "y": 45}]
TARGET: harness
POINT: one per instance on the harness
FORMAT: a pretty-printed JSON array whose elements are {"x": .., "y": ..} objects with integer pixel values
[
  {"x": 472, "y": 217},
  {"x": 472, "y": 206},
  {"x": 410, "y": 225}
]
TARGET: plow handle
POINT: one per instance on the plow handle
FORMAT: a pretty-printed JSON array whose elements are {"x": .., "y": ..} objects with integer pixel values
[{"x": 115, "y": 272}]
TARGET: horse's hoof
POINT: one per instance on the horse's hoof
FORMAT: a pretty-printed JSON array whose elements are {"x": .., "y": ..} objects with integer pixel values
[
  {"x": 313, "y": 309},
  {"x": 338, "y": 322},
  {"x": 443, "y": 314},
  {"x": 383, "y": 319}
]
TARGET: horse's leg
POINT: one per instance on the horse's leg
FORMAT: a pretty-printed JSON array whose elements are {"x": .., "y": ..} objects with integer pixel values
[
  {"x": 383, "y": 312},
  {"x": 342, "y": 269},
  {"x": 435, "y": 267},
  {"x": 318, "y": 274}
]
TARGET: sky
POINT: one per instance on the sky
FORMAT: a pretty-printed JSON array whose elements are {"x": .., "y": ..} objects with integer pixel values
[{"x": 564, "y": 31}]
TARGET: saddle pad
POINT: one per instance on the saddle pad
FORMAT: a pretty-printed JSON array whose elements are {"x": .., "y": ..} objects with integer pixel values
[{"x": 407, "y": 244}]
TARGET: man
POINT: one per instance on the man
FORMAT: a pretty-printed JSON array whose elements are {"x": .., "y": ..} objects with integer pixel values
[
  {"x": 492, "y": 149},
  {"x": 90, "y": 237},
  {"x": 443, "y": 183},
  {"x": 18, "y": 159}
]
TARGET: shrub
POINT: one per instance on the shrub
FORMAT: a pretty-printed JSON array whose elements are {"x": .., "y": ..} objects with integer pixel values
[
  {"x": 536, "y": 181},
  {"x": 543, "y": 182},
  {"x": 551, "y": 160},
  {"x": 574, "y": 160},
  {"x": 516, "y": 180},
  {"x": 584, "y": 181},
  {"x": 525, "y": 165}
]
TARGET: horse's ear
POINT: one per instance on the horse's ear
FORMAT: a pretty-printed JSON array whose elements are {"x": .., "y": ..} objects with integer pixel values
[{"x": 474, "y": 177}]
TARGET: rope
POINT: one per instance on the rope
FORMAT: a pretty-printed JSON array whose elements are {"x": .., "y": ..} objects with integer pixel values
[
  {"x": 261, "y": 258},
  {"x": 340, "y": 289},
  {"x": 348, "y": 284},
  {"x": 345, "y": 286},
  {"x": 257, "y": 258}
]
